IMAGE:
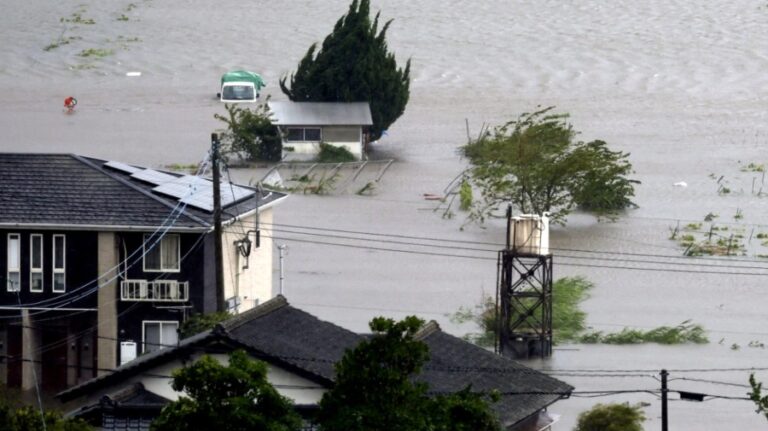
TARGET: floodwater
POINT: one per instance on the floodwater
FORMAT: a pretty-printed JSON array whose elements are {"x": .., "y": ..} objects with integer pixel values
[{"x": 679, "y": 84}]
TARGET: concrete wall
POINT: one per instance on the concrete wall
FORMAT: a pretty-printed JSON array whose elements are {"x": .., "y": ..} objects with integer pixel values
[
  {"x": 31, "y": 368},
  {"x": 107, "y": 302},
  {"x": 249, "y": 278}
]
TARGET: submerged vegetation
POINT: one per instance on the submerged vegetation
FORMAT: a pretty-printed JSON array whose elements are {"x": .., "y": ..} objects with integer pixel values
[
  {"x": 96, "y": 52},
  {"x": 685, "y": 332},
  {"x": 334, "y": 154},
  {"x": 569, "y": 321}
]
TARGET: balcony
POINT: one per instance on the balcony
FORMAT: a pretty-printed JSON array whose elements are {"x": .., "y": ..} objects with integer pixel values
[{"x": 154, "y": 291}]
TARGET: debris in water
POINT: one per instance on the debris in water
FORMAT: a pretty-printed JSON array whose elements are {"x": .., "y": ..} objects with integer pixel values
[{"x": 681, "y": 184}]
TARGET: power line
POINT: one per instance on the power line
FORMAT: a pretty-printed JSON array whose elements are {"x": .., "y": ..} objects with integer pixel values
[
  {"x": 694, "y": 264},
  {"x": 176, "y": 212},
  {"x": 501, "y": 245},
  {"x": 425, "y": 253}
]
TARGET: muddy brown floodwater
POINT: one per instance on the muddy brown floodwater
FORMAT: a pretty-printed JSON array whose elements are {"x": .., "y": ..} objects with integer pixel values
[{"x": 680, "y": 84}]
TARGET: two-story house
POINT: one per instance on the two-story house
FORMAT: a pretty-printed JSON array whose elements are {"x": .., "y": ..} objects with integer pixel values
[{"x": 102, "y": 261}]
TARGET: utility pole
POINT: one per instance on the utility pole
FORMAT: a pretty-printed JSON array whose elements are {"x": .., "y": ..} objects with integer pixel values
[
  {"x": 664, "y": 391},
  {"x": 218, "y": 248},
  {"x": 282, "y": 248}
]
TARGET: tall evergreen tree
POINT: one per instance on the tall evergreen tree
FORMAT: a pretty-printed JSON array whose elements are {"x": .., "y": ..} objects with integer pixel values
[{"x": 353, "y": 65}]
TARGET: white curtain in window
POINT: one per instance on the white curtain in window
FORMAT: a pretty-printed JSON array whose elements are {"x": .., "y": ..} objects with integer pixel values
[
  {"x": 13, "y": 253},
  {"x": 171, "y": 252},
  {"x": 169, "y": 336}
]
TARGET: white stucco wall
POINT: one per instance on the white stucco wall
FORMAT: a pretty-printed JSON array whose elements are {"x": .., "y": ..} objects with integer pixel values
[
  {"x": 253, "y": 284},
  {"x": 338, "y": 136},
  {"x": 296, "y": 388}
]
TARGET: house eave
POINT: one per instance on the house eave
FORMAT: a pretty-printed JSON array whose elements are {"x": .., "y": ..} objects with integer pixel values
[
  {"x": 98, "y": 228},
  {"x": 260, "y": 209}
]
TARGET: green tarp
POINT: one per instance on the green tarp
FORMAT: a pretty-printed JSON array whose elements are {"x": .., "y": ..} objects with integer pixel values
[{"x": 243, "y": 76}]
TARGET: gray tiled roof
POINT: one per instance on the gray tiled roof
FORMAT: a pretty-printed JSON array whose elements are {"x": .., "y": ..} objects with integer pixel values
[
  {"x": 71, "y": 191},
  {"x": 321, "y": 113},
  {"x": 454, "y": 364},
  {"x": 314, "y": 345},
  {"x": 278, "y": 332}
]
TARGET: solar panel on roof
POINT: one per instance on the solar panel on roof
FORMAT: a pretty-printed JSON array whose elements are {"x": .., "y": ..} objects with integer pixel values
[
  {"x": 122, "y": 167},
  {"x": 182, "y": 187},
  {"x": 198, "y": 192},
  {"x": 153, "y": 177}
]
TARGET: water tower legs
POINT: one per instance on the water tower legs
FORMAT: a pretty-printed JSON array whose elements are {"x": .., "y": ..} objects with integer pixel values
[{"x": 524, "y": 301}]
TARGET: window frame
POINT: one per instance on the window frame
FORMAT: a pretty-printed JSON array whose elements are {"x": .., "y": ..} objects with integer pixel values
[
  {"x": 162, "y": 345},
  {"x": 36, "y": 270},
  {"x": 59, "y": 271},
  {"x": 9, "y": 268},
  {"x": 159, "y": 248},
  {"x": 304, "y": 134}
]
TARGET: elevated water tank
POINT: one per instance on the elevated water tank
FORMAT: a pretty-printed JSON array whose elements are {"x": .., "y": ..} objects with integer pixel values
[{"x": 529, "y": 234}]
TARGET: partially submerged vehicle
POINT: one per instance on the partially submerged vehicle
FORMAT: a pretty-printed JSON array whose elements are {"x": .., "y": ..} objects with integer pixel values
[{"x": 240, "y": 86}]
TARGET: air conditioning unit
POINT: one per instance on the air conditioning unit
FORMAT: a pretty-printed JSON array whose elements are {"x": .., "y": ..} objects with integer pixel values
[
  {"x": 529, "y": 234},
  {"x": 127, "y": 351}
]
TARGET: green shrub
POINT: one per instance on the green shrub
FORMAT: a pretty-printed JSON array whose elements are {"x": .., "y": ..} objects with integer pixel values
[
  {"x": 611, "y": 417},
  {"x": 333, "y": 154},
  {"x": 202, "y": 322},
  {"x": 250, "y": 133}
]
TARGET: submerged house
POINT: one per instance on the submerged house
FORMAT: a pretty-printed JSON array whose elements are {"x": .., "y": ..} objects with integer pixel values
[
  {"x": 300, "y": 351},
  {"x": 102, "y": 261},
  {"x": 304, "y": 125}
]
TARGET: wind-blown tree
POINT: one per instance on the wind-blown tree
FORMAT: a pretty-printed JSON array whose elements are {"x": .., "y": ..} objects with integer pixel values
[
  {"x": 250, "y": 133},
  {"x": 375, "y": 390},
  {"x": 353, "y": 65},
  {"x": 236, "y": 397},
  {"x": 612, "y": 417},
  {"x": 536, "y": 164}
]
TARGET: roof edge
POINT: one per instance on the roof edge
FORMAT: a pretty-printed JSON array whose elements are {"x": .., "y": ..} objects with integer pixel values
[
  {"x": 260, "y": 310},
  {"x": 127, "y": 183}
]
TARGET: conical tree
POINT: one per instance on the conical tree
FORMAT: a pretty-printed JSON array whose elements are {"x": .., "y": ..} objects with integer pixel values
[{"x": 353, "y": 65}]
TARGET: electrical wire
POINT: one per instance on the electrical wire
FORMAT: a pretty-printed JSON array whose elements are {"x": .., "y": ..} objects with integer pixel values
[
  {"x": 426, "y": 253},
  {"x": 176, "y": 213},
  {"x": 488, "y": 250}
]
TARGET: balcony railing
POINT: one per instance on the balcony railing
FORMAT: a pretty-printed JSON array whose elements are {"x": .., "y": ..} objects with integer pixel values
[{"x": 157, "y": 290}]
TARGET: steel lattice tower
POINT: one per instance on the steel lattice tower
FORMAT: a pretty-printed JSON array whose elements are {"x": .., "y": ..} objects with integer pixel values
[{"x": 524, "y": 303}]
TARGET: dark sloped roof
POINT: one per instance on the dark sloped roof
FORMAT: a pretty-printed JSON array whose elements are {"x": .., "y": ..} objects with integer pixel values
[
  {"x": 145, "y": 362},
  {"x": 279, "y": 333},
  {"x": 72, "y": 191},
  {"x": 454, "y": 364},
  {"x": 293, "y": 336}
]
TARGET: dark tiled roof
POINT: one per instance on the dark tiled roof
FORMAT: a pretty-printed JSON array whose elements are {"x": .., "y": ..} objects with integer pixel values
[
  {"x": 143, "y": 363},
  {"x": 293, "y": 336},
  {"x": 289, "y": 337},
  {"x": 70, "y": 191},
  {"x": 454, "y": 364},
  {"x": 300, "y": 339}
]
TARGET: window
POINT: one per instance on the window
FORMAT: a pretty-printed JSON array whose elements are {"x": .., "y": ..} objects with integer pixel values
[
  {"x": 304, "y": 134},
  {"x": 13, "y": 283},
  {"x": 160, "y": 334},
  {"x": 164, "y": 256},
  {"x": 36, "y": 263},
  {"x": 59, "y": 258}
]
